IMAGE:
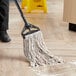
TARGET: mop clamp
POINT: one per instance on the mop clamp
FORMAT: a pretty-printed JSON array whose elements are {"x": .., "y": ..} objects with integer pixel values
[{"x": 29, "y": 30}]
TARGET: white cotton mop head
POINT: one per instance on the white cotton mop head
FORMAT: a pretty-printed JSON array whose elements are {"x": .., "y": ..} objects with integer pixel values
[{"x": 36, "y": 51}]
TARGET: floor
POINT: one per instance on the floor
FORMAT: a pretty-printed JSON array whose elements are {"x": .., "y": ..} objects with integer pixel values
[{"x": 59, "y": 40}]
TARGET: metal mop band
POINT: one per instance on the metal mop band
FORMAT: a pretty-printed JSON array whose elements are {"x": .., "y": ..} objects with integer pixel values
[{"x": 36, "y": 51}]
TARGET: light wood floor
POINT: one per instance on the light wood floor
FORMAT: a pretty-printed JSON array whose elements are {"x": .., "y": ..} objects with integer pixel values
[{"x": 58, "y": 39}]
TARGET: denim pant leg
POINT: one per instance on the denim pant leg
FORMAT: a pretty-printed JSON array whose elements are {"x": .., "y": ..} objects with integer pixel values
[{"x": 4, "y": 14}]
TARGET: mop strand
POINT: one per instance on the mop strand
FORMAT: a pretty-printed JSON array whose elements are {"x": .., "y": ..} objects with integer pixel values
[{"x": 36, "y": 51}]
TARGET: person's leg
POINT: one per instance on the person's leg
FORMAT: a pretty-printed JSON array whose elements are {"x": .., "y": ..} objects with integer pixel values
[
  {"x": 72, "y": 27},
  {"x": 4, "y": 17}
]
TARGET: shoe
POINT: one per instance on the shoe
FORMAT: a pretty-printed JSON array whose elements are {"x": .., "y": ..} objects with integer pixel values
[
  {"x": 72, "y": 27},
  {"x": 4, "y": 37}
]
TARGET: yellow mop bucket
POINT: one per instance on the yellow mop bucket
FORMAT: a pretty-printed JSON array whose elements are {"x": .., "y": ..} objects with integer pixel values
[{"x": 35, "y": 5}]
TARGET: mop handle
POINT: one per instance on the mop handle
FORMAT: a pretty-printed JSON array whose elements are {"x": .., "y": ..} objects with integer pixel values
[{"x": 22, "y": 15}]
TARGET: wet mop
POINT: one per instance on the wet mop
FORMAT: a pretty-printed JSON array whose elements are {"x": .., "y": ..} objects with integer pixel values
[{"x": 35, "y": 49}]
